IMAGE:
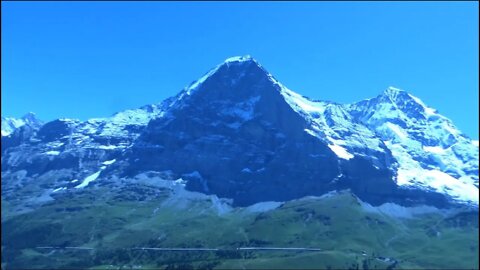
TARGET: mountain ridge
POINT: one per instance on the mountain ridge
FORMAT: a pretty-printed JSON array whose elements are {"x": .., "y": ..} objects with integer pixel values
[{"x": 239, "y": 108}]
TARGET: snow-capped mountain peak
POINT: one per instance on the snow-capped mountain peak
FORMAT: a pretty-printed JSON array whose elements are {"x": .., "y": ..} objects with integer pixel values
[
  {"x": 430, "y": 150},
  {"x": 236, "y": 60},
  {"x": 10, "y": 124},
  {"x": 393, "y": 91},
  {"x": 408, "y": 103},
  {"x": 30, "y": 117}
]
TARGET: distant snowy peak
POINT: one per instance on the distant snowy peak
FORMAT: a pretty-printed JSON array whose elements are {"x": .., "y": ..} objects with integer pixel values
[
  {"x": 409, "y": 104},
  {"x": 409, "y": 113},
  {"x": 393, "y": 103},
  {"x": 10, "y": 124},
  {"x": 431, "y": 152},
  {"x": 31, "y": 118},
  {"x": 399, "y": 116}
]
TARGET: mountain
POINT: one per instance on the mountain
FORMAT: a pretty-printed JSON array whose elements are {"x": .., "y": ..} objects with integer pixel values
[
  {"x": 238, "y": 148},
  {"x": 239, "y": 133},
  {"x": 430, "y": 150},
  {"x": 10, "y": 124}
]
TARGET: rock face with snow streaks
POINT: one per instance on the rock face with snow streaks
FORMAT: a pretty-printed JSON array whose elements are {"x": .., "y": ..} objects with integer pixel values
[
  {"x": 239, "y": 133},
  {"x": 430, "y": 151}
]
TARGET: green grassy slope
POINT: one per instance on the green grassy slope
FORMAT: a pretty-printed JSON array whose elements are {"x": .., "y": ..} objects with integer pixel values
[{"x": 114, "y": 222}]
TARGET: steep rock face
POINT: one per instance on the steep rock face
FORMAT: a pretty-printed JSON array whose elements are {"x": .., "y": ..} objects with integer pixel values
[{"x": 234, "y": 135}]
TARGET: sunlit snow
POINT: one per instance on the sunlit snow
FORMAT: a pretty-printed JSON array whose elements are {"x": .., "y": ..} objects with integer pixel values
[
  {"x": 397, "y": 130},
  {"x": 340, "y": 151},
  {"x": 429, "y": 111},
  {"x": 297, "y": 100},
  {"x": 52, "y": 153},
  {"x": 107, "y": 147},
  {"x": 411, "y": 173},
  {"x": 59, "y": 189},
  {"x": 434, "y": 149},
  {"x": 108, "y": 162},
  {"x": 89, "y": 179}
]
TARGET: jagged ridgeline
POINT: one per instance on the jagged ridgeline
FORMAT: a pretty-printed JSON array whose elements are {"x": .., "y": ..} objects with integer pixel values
[{"x": 238, "y": 161}]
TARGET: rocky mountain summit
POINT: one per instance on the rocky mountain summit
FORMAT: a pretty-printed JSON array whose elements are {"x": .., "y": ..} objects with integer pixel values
[{"x": 239, "y": 134}]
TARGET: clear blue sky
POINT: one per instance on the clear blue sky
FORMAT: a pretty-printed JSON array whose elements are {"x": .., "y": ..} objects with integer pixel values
[{"x": 91, "y": 59}]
